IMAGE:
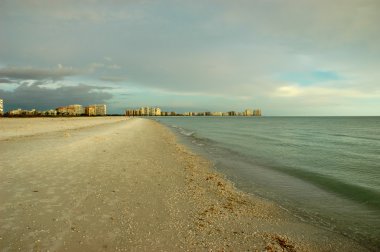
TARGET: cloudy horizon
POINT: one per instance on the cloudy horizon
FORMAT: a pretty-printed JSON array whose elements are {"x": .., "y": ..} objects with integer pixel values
[{"x": 291, "y": 57}]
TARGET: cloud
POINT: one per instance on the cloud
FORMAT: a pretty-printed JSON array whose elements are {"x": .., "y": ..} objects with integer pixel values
[
  {"x": 113, "y": 78},
  {"x": 29, "y": 96},
  {"x": 94, "y": 11},
  {"x": 288, "y": 91},
  {"x": 31, "y": 73},
  {"x": 5, "y": 80},
  {"x": 310, "y": 22},
  {"x": 322, "y": 93},
  {"x": 254, "y": 49},
  {"x": 114, "y": 66},
  {"x": 95, "y": 66}
]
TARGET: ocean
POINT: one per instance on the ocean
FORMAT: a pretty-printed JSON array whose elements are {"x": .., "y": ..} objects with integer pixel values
[{"x": 324, "y": 170}]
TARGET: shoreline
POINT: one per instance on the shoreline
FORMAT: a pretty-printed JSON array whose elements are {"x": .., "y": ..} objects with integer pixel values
[
  {"x": 278, "y": 238},
  {"x": 130, "y": 185},
  {"x": 254, "y": 174}
]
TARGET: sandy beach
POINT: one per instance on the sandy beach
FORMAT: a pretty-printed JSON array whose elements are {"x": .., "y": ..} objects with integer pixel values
[{"x": 119, "y": 184}]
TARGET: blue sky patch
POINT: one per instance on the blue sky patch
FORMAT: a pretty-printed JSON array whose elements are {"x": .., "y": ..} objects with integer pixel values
[{"x": 309, "y": 78}]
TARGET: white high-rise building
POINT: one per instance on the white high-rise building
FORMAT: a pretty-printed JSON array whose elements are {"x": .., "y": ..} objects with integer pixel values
[
  {"x": 1, "y": 107},
  {"x": 157, "y": 112},
  {"x": 144, "y": 111},
  {"x": 248, "y": 112}
]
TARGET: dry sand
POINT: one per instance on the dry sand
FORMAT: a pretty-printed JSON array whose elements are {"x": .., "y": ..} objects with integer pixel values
[{"x": 111, "y": 184}]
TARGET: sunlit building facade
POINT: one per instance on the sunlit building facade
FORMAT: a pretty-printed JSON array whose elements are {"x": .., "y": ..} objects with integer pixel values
[
  {"x": 1, "y": 107},
  {"x": 96, "y": 110}
]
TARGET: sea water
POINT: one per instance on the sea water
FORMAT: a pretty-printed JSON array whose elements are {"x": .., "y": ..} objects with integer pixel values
[{"x": 324, "y": 170}]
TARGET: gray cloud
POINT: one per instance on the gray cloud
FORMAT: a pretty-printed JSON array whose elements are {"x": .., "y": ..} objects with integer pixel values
[
  {"x": 5, "y": 80},
  {"x": 113, "y": 78},
  {"x": 71, "y": 10},
  {"x": 39, "y": 97},
  {"x": 30, "y": 73}
]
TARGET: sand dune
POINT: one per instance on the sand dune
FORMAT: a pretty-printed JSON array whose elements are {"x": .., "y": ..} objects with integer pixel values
[{"x": 111, "y": 184}]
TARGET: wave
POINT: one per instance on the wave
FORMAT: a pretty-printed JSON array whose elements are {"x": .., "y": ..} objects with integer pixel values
[
  {"x": 362, "y": 195},
  {"x": 186, "y": 133},
  {"x": 357, "y": 193},
  {"x": 355, "y": 137}
]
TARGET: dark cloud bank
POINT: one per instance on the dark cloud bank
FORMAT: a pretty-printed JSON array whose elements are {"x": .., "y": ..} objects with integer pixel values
[
  {"x": 36, "y": 96},
  {"x": 37, "y": 73}
]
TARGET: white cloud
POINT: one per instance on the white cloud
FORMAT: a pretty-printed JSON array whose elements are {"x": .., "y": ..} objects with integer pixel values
[
  {"x": 288, "y": 91},
  {"x": 322, "y": 93}
]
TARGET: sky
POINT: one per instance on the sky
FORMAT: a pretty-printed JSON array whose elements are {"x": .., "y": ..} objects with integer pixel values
[{"x": 287, "y": 57}]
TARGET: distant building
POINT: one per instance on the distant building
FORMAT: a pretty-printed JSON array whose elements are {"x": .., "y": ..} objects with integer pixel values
[
  {"x": 71, "y": 110},
  {"x": 157, "y": 111},
  {"x": 145, "y": 111},
  {"x": 31, "y": 112},
  {"x": 1, "y": 107},
  {"x": 257, "y": 112},
  {"x": 61, "y": 110},
  {"x": 130, "y": 112},
  {"x": 100, "y": 109},
  {"x": 153, "y": 111},
  {"x": 248, "y": 112},
  {"x": 50, "y": 112},
  {"x": 90, "y": 111},
  {"x": 216, "y": 113},
  {"x": 76, "y": 109},
  {"x": 96, "y": 110},
  {"x": 15, "y": 112},
  {"x": 22, "y": 112}
]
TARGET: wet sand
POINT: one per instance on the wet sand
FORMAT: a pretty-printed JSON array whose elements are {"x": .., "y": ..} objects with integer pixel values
[{"x": 112, "y": 184}]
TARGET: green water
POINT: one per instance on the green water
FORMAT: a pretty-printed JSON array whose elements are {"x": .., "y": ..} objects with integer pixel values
[{"x": 326, "y": 170}]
